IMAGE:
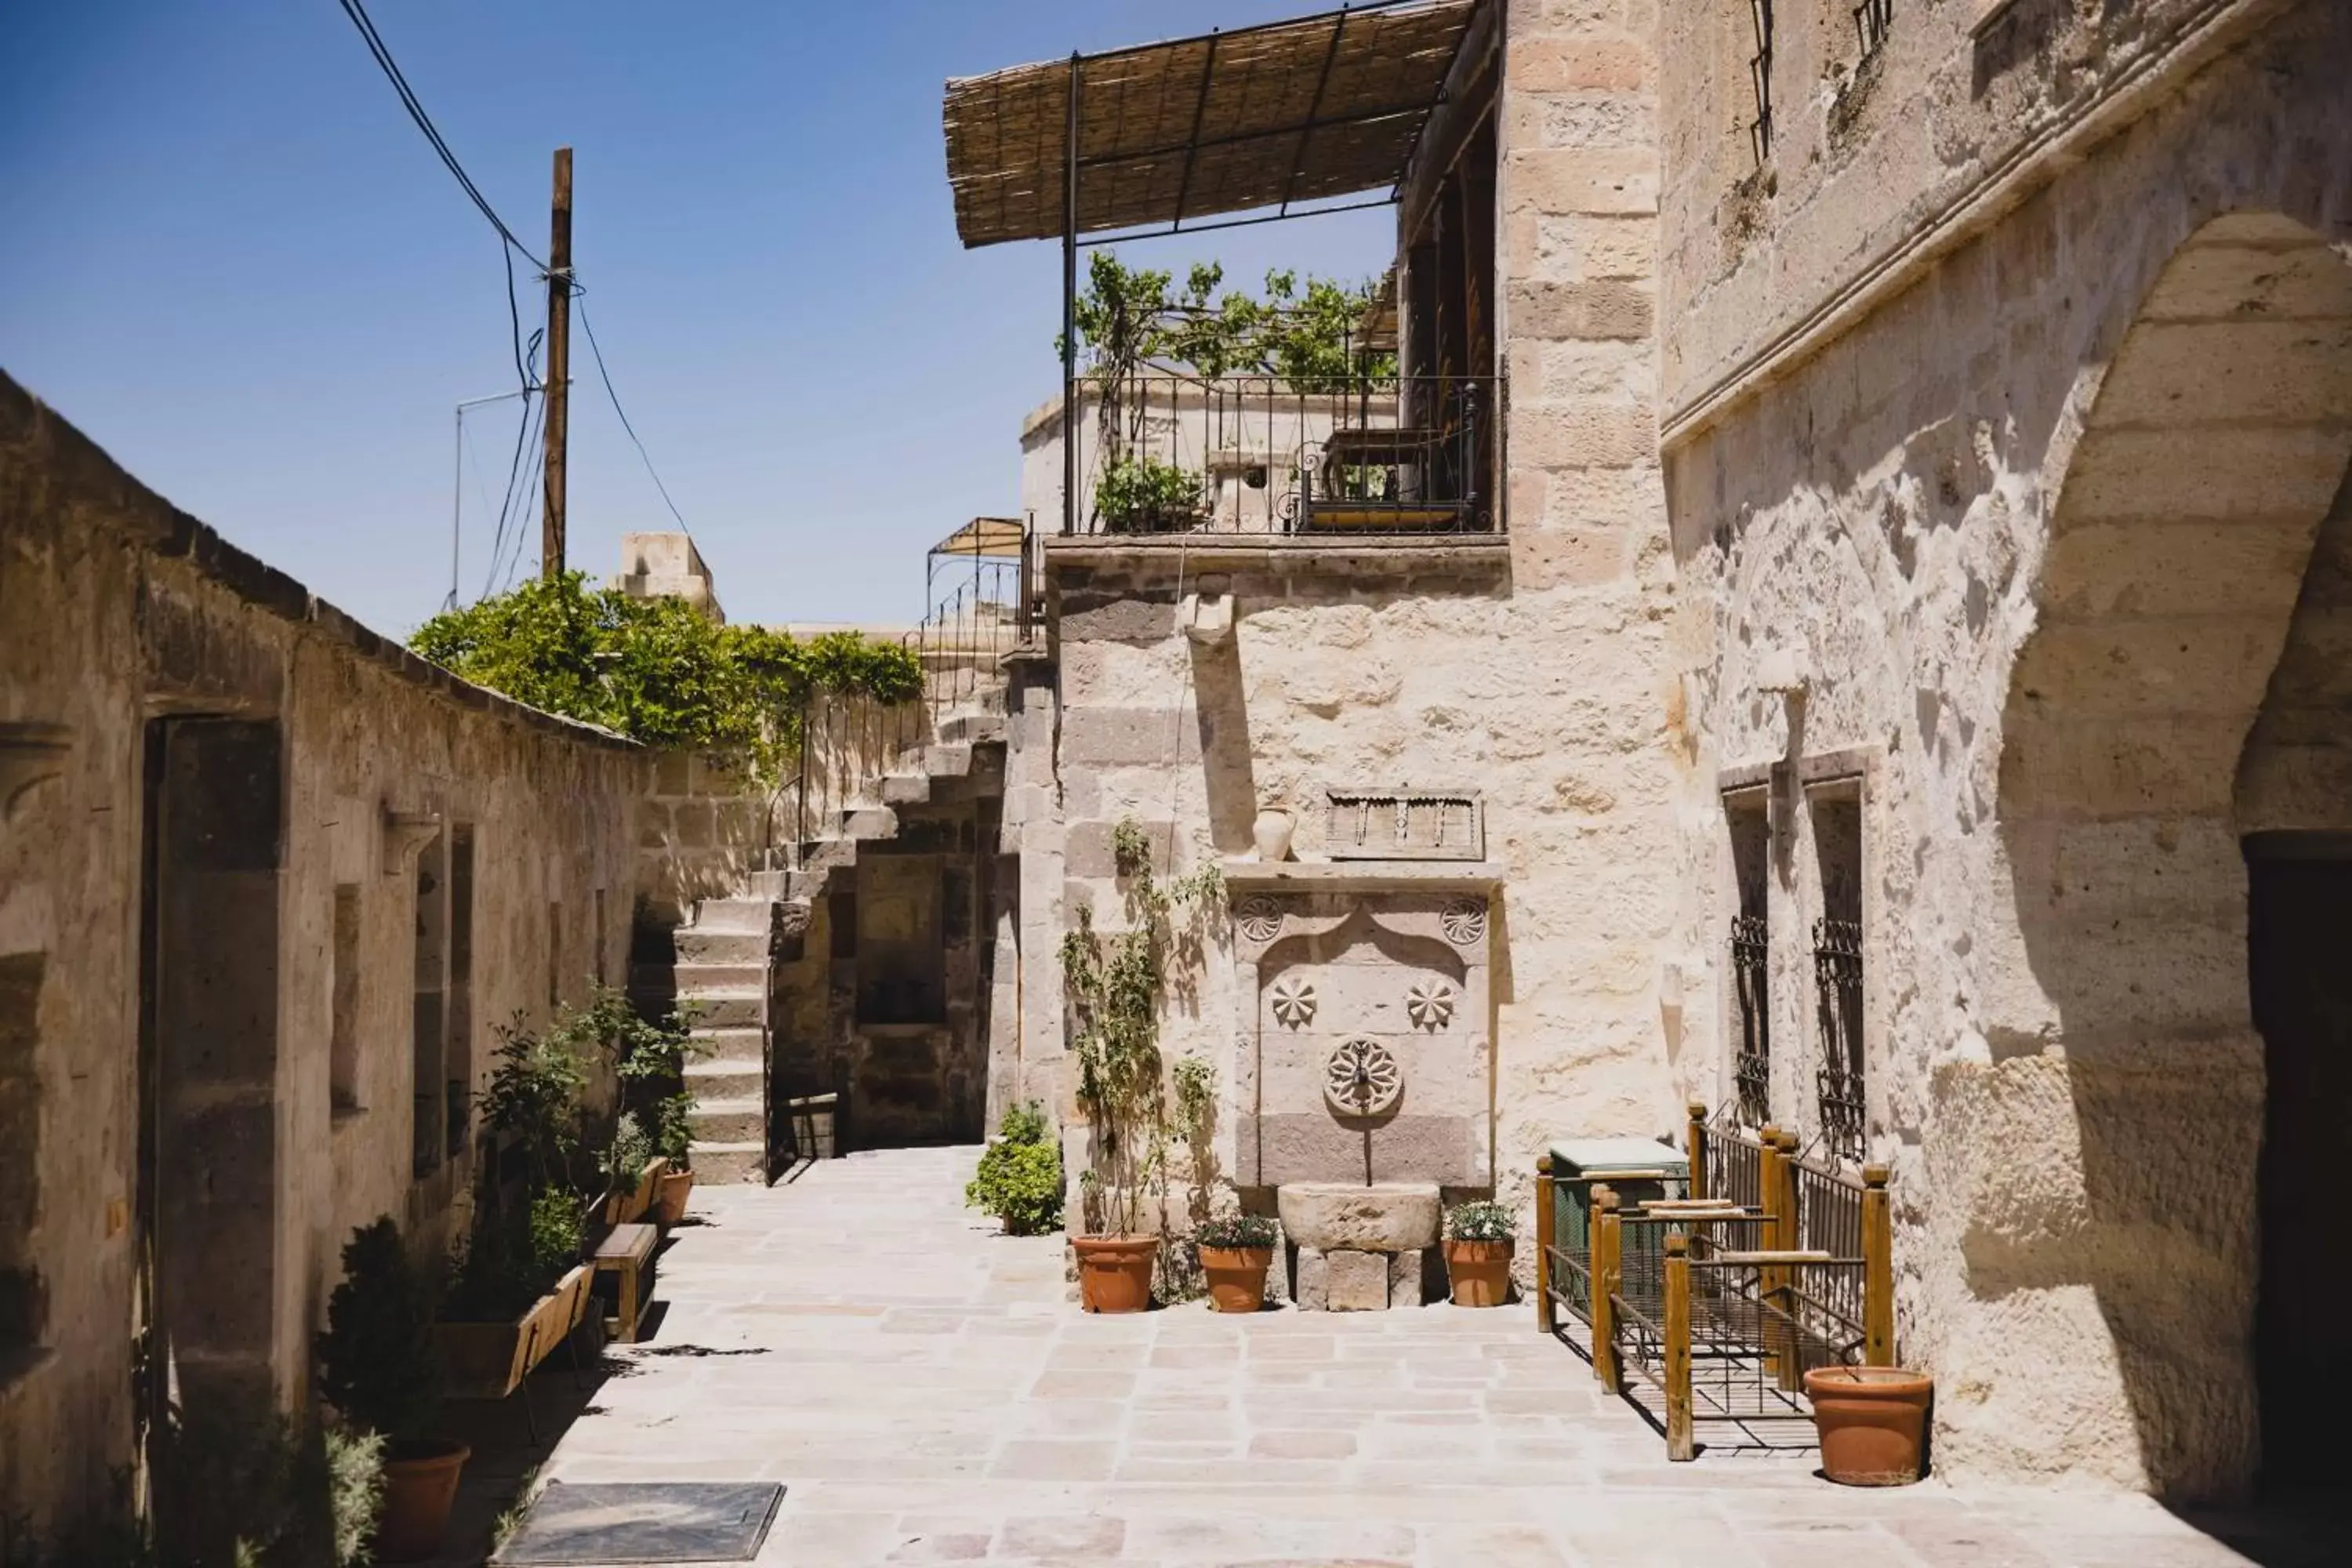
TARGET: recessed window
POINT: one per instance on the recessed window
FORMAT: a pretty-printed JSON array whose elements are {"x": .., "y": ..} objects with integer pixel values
[{"x": 343, "y": 1003}]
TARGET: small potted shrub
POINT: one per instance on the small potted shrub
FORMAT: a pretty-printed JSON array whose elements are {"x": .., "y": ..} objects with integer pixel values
[
  {"x": 1236, "y": 1252},
  {"x": 1478, "y": 1253},
  {"x": 673, "y": 1141},
  {"x": 1143, "y": 495},
  {"x": 380, "y": 1367},
  {"x": 1020, "y": 1176},
  {"x": 632, "y": 1168}
]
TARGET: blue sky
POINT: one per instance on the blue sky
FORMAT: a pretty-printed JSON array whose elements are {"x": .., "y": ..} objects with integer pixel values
[{"x": 231, "y": 261}]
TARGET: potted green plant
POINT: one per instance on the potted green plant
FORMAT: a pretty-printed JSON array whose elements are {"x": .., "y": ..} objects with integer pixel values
[
  {"x": 1236, "y": 1251},
  {"x": 380, "y": 1367},
  {"x": 1478, "y": 1239},
  {"x": 673, "y": 1141},
  {"x": 518, "y": 1288},
  {"x": 1116, "y": 983},
  {"x": 631, "y": 1168},
  {"x": 1143, "y": 495},
  {"x": 1020, "y": 1176}
]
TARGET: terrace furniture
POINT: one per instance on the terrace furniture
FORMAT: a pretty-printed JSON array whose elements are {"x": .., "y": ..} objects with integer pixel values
[
  {"x": 490, "y": 1361},
  {"x": 628, "y": 1254}
]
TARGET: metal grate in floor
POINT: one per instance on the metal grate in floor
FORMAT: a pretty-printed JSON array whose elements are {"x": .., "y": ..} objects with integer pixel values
[{"x": 610, "y": 1525}]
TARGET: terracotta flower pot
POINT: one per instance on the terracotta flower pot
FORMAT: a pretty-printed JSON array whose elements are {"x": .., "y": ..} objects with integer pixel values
[
  {"x": 1480, "y": 1272},
  {"x": 420, "y": 1482},
  {"x": 1115, "y": 1271},
  {"x": 1873, "y": 1422},
  {"x": 1236, "y": 1277},
  {"x": 670, "y": 1201}
]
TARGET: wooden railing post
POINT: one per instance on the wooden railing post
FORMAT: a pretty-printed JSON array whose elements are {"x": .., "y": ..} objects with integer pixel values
[
  {"x": 1677, "y": 1349},
  {"x": 1778, "y": 1235},
  {"x": 1546, "y": 1311},
  {"x": 1694, "y": 1147},
  {"x": 1877, "y": 1269},
  {"x": 1790, "y": 1361},
  {"x": 1602, "y": 1264}
]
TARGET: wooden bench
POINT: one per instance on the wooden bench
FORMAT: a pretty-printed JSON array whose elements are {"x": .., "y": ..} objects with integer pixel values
[{"x": 628, "y": 1254}]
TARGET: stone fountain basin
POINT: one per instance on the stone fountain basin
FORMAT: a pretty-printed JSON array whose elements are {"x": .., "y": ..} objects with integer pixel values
[{"x": 1335, "y": 1216}]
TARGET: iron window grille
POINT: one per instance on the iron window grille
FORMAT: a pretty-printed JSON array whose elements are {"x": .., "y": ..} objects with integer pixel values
[
  {"x": 1759, "y": 77},
  {"x": 1837, "y": 983},
  {"x": 1872, "y": 20},
  {"x": 1751, "y": 1065}
]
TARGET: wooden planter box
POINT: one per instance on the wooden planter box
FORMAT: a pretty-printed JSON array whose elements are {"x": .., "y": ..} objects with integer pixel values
[
  {"x": 489, "y": 1361},
  {"x": 627, "y": 1207}
]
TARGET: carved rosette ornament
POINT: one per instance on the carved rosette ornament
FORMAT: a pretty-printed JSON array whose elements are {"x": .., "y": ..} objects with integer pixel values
[
  {"x": 1361, "y": 1078},
  {"x": 1259, "y": 918},
  {"x": 1430, "y": 1005},
  {"x": 1464, "y": 921},
  {"x": 1293, "y": 1000}
]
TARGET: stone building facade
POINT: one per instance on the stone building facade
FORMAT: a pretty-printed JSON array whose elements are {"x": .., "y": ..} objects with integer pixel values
[
  {"x": 1926, "y": 444},
  {"x": 265, "y": 882}
]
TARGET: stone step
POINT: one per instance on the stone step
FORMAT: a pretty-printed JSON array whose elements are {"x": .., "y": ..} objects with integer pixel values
[
  {"x": 905, "y": 789},
  {"x": 728, "y": 1009},
  {"x": 718, "y": 1080},
  {"x": 869, "y": 822},
  {"x": 948, "y": 760},
  {"x": 737, "y": 915},
  {"x": 701, "y": 979},
  {"x": 972, "y": 727},
  {"x": 697, "y": 945},
  {"x": 723, "y": 1043},
  {"x": 720, "y": 1164},
  {"x": 732, "y": 1121}
]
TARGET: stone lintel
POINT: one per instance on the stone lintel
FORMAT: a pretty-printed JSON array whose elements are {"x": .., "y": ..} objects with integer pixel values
[{"x": 1363, "y": 876}]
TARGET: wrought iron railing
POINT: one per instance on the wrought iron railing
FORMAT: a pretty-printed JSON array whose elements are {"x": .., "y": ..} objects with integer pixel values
[
  {"x": 1837, "y": 983},
  {"x": 1751, "y": 1062},
  {"x": 1165, "y": 454}
]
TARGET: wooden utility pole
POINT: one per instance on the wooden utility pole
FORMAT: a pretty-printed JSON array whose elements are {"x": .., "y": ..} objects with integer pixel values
[{"x": 559, "y": 366}]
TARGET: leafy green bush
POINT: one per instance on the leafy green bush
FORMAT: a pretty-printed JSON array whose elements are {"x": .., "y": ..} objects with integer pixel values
[
  {"x": 1025, "y": 1124},
  {"x": 379, "y": 1362},
  {"x": 624, "y": 1159},
  {"x": 1144, "y": 492},
  {"x": 659, "y": 670},
  {"x": 1020, "y": 1176},
  {"x": 1480, "y": 1222},
  {"x": 1236, "y": 1230},
  {"x": 674, "y": 1128},
  {"x": 534, "y": 1095}
]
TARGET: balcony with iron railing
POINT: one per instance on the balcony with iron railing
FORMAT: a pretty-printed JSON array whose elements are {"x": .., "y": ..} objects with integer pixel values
[{"x": 1385, "y": 457}]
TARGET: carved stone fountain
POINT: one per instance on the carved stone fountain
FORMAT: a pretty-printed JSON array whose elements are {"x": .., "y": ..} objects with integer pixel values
[{"x": 1365, "y": 1067}]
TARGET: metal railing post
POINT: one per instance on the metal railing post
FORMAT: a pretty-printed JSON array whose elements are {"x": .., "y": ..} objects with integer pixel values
[
  {"x": 1791, "y": 1360},
  {"x": 1877, "y": 1269},
  {"x": 1545, "y": 1313},
  {"x": 1676, "y": 1331},
  {"x": 1780, "y": 1236},
  {"x": 1695, "y": 1146}
]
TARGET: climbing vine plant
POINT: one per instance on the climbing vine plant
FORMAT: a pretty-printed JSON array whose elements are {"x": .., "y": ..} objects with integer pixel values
[
  {"x": 659, "y": 670},
  {"x": 1117, "y": 982}
]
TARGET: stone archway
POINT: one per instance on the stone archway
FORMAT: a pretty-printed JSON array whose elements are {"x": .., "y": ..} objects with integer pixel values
[{"x": 2111, "y": 1226}]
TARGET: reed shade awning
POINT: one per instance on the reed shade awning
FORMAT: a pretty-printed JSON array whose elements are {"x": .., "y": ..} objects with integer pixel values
[
  {"x": 985, "y": 536},
  {"x": 1258, "y": 117}
]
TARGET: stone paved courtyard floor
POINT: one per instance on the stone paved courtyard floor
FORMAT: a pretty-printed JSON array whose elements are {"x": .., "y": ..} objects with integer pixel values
[{"x": 927, "y": 1395}]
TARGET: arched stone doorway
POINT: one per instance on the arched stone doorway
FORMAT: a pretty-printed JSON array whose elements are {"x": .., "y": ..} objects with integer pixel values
[{"x": 2180, "y": 549}]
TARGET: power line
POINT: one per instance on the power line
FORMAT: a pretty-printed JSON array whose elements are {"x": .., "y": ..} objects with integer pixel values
[
  {"x": 391, "y": 67},
  {"x": 605, "y": 376}
]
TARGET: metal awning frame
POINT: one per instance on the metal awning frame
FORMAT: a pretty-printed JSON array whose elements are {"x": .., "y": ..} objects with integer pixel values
[{"x": 1075, "y": 165}]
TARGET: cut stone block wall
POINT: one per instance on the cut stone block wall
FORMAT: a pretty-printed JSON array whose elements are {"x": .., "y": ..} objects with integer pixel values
[
  {"x": 122, "y": 611},
  {"x": 2037, "y": 526}
]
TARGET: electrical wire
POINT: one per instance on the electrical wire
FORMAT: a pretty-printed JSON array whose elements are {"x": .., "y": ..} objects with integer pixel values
[
  {"x": 607, "y": 377},
  {"x": 391, "y": 69}
]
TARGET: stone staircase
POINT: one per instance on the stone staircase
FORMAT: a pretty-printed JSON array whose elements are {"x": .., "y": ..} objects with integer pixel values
[{"x": 724, "y": 953}]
